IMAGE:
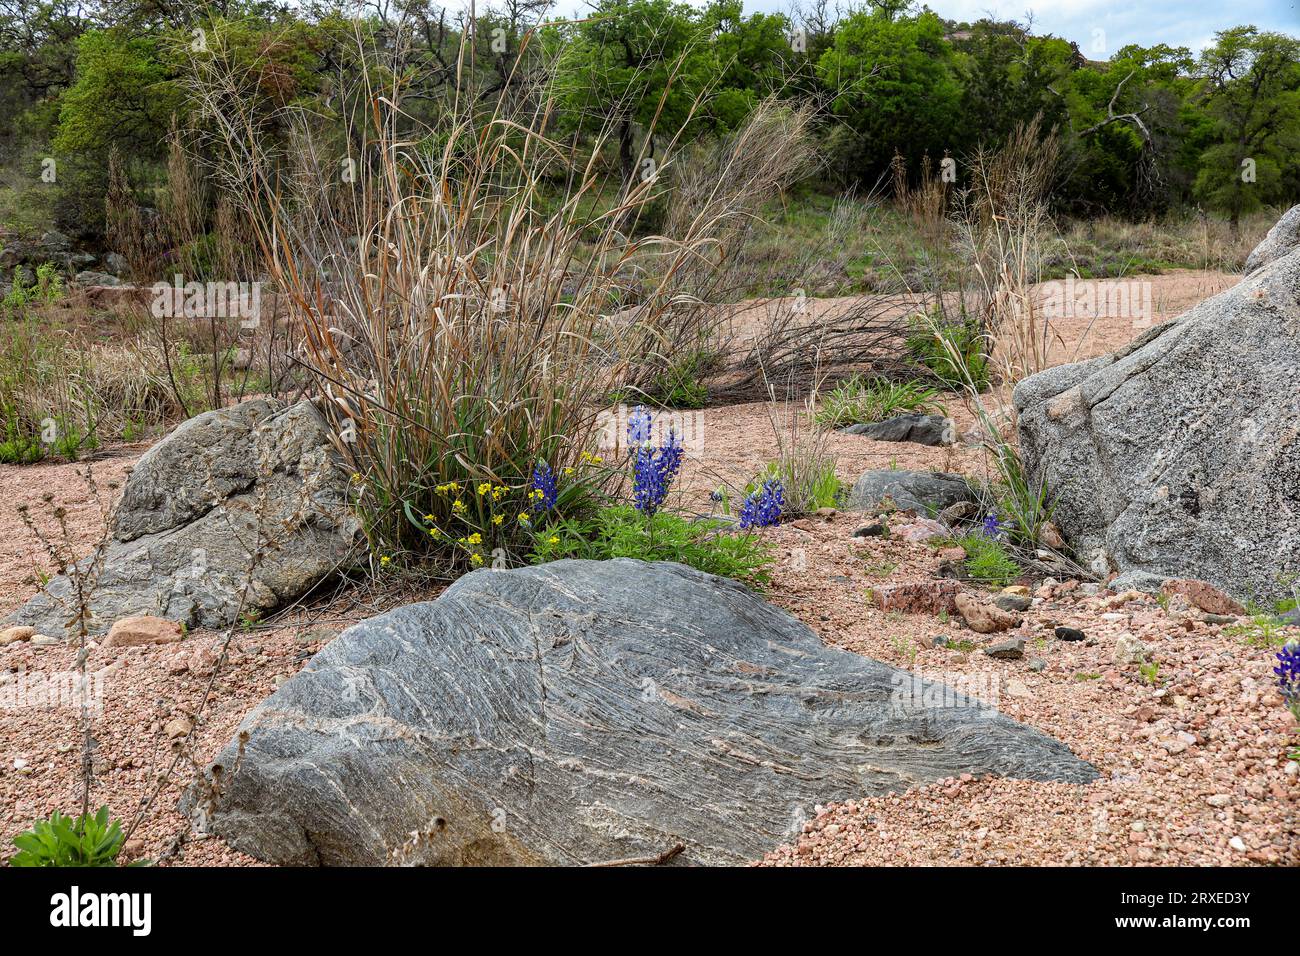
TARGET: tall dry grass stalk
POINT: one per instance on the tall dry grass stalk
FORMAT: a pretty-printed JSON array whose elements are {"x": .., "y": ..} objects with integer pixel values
[
  {"x": 926, "y": 203},
  {"x": 1002, "y": 224},
  {"x": 462, "y": 321}
]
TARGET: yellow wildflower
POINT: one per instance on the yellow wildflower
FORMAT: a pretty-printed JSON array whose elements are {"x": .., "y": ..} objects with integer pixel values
[
  {"x": 497, "y": 519},
  {"x": 484, "y": 488},
  {"x": 476, "y": 559},
  {"x": 475, "y": 538}
]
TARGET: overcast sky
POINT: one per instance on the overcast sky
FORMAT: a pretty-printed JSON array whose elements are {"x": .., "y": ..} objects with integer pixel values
[{"x": 1189, "y": 23}]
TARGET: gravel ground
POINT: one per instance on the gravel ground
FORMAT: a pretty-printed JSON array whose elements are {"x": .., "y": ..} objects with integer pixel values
[{"x": 1193, "y": 771}]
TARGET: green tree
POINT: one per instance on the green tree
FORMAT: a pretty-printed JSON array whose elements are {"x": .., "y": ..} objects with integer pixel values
[
  {"x": 1252, "y": 93},
  {"x": 1127, "y": 120},
  {"x": 633, "y": 64},
  {"x": 893, "y": 85},
  {"x": 752, "y": 56},
  {"x": 124, "y": 96}
]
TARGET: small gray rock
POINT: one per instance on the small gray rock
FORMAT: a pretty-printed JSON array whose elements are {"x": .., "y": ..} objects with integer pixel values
[
  {"x": 55, "y": 241},
  {"x": 936, "y": 430},
  {"x": 97, "y": 278},
  {"x": 1037, "y": 665},
  {"x": 876, "y": 530},
  {"x": 115, "y": 263},
  {"x": 1007, "y": 650},
  {"x": 924, "y": 492},
  {"x": 1013, "y": 602}
]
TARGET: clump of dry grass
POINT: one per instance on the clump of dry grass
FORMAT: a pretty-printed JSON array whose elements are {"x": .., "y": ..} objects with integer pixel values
[
  {"x": 464, "y": 325},
  {"x": 61, "y": 394},
  {"x": 1002, "y": 222},
  {"x": 1113, "y": 246}
]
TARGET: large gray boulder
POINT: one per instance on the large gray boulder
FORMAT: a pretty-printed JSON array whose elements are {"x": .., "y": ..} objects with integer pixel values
[
  {"x": 261, "y": 477},
  {"x": 585, "y": 711},
  {"x": 1281, "y": 239},
  {"x": 1179, "y": 455}
]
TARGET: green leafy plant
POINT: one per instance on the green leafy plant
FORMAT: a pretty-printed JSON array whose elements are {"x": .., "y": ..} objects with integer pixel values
[
  {"x": 681, "y": 385},
  {"x": 620, "y": 531},
  {"x": 866, "y": 400},
  {"x": 49, "y": 284},
  {"x": 987, "y": 560},
  {"x": 62, "y": 841},
  {"x": 808, "y": 486},
  {"x": 1259, "y": 630},
  {"x": 952, "y": 351}
]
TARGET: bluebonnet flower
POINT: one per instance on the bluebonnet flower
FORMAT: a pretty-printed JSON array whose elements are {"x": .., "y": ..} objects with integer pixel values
[
  {"x": 993, "y": 528},
  {"x": 715, "y": 495},
  {"x": 543, "y": 492},
  {"x": 763, "y": 508},
  {"x": 638, "y": 427},
  {"x": 1288, "y": 674},
  {"x": 653, "y": 473}
]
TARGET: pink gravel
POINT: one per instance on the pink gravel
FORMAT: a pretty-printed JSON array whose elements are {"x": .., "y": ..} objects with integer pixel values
[{"x": 1193, "y": 771}]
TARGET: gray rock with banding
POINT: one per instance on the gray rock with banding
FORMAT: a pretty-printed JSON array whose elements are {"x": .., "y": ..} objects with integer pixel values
[{"x": 585, "y": 711}]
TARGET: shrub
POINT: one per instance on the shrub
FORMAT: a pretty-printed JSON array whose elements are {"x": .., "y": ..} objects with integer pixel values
[
  {"x": 473, "y": 325},
  {"x": 682, "y": 384},
  {"x": 933, "y": 344},
  {"x": 62, "y": 841},
  {"x": 987, "y": 560},
  {"x": 864, "y": 401},
  {"x": 619, "y": 531}
]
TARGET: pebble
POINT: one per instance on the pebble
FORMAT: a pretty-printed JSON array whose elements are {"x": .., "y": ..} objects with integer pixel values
[
  {"x": 1013, "y": 602},
  {"x": 1007, "y": 650}
]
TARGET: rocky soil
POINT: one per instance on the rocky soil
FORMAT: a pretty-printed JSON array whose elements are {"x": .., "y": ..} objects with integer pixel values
[{"x": 1193, "y": 766}]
